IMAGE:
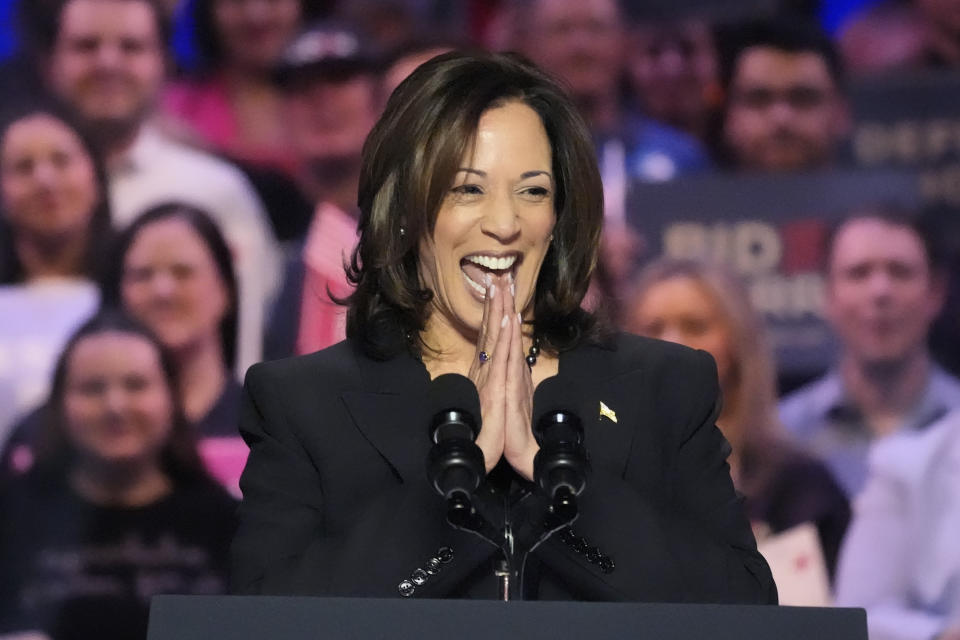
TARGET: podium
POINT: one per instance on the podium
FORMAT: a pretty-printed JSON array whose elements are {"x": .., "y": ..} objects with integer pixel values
[{"x": 302, "y": 618}]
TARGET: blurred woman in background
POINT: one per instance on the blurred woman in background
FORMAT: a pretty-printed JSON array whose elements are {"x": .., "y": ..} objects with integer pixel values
[
  {"x": 54, "y": 226},
  {"x": 171, "y": 269},
  {"x": 704, "y": 307},
  {"x": 233, "y": 103},
  {"x": 117, "y": 507}
]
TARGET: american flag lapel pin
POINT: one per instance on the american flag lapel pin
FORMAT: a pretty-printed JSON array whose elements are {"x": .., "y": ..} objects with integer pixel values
[{"x": 607, "y": 412}]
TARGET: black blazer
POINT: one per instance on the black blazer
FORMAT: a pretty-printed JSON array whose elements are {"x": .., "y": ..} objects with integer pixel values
[{"x": 336, "y": 500}]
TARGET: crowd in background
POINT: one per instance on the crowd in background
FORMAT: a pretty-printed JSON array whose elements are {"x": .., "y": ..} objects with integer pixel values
[{"x": 173, "y": 210}]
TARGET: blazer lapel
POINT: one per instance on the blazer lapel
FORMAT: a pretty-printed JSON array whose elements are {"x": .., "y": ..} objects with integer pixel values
[
  {"x": 390, "y": 412},
  {"x": 607, "y": 441},
  {"x": 393, "y": 424}
]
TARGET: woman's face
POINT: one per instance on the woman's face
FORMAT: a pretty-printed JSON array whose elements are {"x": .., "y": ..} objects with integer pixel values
[
  {"x": 117, "y": 404},
  {"x": 170, "y": 282},
  {"x": 47, "y": 180},
  {"x": 680, "y": 309},
  {"x": 496, "y": 219},
  {"x": 254, "y": 32}
]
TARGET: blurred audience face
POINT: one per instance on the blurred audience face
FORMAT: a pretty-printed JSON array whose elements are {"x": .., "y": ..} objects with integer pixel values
[
  {"x": 328, "y": 123},
  {"x": 254, "y": 32},
  {"x": 580, "y": 41},
  {"x": 887, "y": 36},
  {"x": 681, "y": 309},
  {"x": 108, "y": 61},
  {"x": 881, "y": 294},
  {"x": 784, "y": 111},
  {"x": 404, "y": 66},
  {"x": 172, "y": 6},
  {"x": 672, "y": 68},
  {"x": 117, "y": 406},
  {"x": 47, "y": 179},
  {"x": 943, "y": 14},
  {"x": 170, "y": 283}
]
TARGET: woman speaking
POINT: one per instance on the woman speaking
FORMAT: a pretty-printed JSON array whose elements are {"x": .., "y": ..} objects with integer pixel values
[{"x": 481, "y": 209}]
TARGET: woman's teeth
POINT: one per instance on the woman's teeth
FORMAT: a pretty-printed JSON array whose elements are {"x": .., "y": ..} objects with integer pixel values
[
  {"x": 479, "y": 288},
  {"x": 490, "y": 262}
]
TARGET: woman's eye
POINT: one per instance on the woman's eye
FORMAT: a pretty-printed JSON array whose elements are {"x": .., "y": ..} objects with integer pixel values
[
  {"x": 135, "y": 383},
  {"x": 467, "y": 190},
  {"x": 694, "y": 327},
  {"x": 90, "y": 387},
  {"x": 536, "y": 193},
  {"x": 464, "y": 193}
]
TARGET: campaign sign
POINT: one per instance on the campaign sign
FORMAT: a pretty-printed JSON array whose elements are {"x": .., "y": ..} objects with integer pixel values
[
  {"x": 913, "y": 121},
  {"x": 771, "y": 230}
]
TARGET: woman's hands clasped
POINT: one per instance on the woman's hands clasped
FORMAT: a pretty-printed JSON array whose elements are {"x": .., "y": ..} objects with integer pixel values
[{"x": 503, "y": 380}]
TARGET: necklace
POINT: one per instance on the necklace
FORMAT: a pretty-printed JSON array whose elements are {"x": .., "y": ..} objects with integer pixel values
[{"x": 533, "y": 352}]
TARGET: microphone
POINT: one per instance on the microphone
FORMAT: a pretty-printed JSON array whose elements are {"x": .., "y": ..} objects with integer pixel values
[
  {"x": 455, "y": 463},
  {"x": 560, "y": 467}
]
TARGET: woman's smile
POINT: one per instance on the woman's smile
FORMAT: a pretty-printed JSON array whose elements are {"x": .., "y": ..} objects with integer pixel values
[{"x": 480, "y": 269}]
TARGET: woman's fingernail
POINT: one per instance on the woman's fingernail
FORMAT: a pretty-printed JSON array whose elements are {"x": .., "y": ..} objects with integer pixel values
[
  {"x": 503, "y": 322},
  {"x": 492, "y": 289},
  {"x": 513, "y": 289},
  {"x": 487, "y": 279},
  {"x": 519, "y": 318}
]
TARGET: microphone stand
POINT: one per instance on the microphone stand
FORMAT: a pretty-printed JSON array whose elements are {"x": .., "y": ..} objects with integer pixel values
[
  {"x": 509, "y": 569},
  {"x": 455, "y": 469}
]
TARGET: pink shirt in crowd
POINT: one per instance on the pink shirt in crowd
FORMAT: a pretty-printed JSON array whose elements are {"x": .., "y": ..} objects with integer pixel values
[{"x": 330, "y": 243}]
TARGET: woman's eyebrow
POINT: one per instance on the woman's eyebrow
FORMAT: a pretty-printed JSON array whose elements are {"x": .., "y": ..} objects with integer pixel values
[
  {"x": 523, "y": 176},
  {"x": 531, "y": 174}
]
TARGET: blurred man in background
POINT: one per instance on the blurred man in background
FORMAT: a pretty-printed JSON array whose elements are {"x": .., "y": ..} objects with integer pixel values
[
  {"x": 673, "y": 71},
  {"x": 583, "y": 42},
  {"x": 785, "y": 109},
  {"x": 106, "y": 59},
  {"x": 942, "y": 21},
  {"x": 885, "y": 287},
  {"x": 332, "y": 99},
  {"x": 330, "y": 88}
]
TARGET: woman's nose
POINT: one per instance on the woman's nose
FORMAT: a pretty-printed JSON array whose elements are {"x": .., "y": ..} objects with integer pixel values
[
  {"x": 163, "y": 284},
  {"x": 501, "y": 220},
  {"x": 673, "y": 334},
  {"x": 115, "y": 399}
]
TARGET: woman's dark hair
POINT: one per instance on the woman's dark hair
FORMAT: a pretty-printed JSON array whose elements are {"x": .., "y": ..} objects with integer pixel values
[
  {"x": 55, "y": 454},
  {"x": 212, "y": 238},
  {"x": 410, "y": 160},
  {"x": 206, "y": 37},
  {"x": 100, "y": 232},
  {"x": 788, "y": 34}
]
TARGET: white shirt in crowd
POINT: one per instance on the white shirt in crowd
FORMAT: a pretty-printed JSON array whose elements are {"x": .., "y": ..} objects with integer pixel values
[
  {"x": 38, "y": 318},
  {"x": 901, "y": 557}
]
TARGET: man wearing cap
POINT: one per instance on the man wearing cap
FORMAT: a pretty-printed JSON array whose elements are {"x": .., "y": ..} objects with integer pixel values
[{"x": 331, "y": 101}]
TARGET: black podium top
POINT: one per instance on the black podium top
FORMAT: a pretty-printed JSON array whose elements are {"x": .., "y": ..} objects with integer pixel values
[{"x": 280, "y": 618}]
